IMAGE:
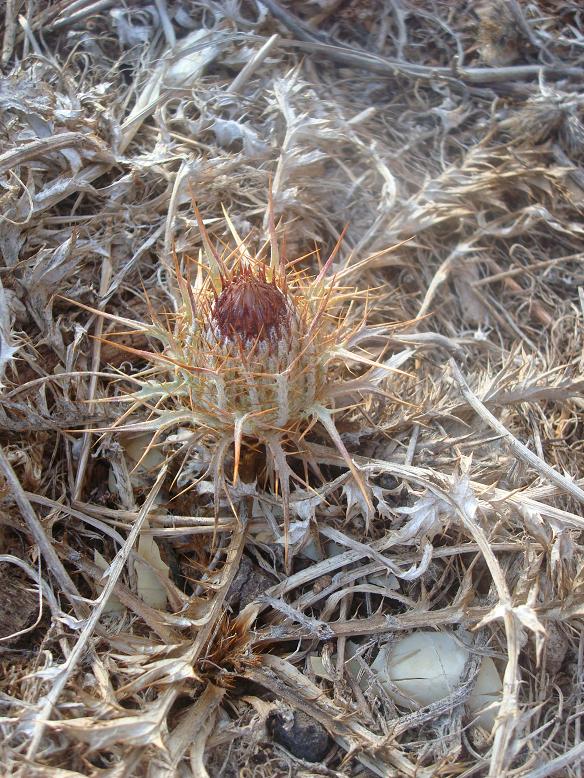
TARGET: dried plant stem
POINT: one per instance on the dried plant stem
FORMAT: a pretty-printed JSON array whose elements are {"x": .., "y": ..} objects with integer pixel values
[
  {"x": 169, "y": 227},
  {"x": 207, "y": 624},
  {"x": 114, "y": 573},
  {"x": 150, "y": 615},
  {"x": 79, "y": 11},
  {"x": 9, "y": 31},
  {"x": 234, "y": 553},
  {"x": 167, "y": 27},
  {"x": 516, "y": 271},
  {"x": 42, "y": 147},
  {"x": 455, "y": 76},
  {"x": 106, "y": 274},
  {"x": 249, "y": 69},
  {"x": 440, "y": 276},
  {"x": 195, "y": 723},
  {"x": 39, "y": 536},
  {"x": 507, "y": 719},
  {"x": 516, "y": 446},
  {"x": 557, "y": 765}
]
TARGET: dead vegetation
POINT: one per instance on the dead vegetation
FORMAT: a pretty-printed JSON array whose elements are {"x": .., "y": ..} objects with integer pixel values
[{"x": 152, "y": 626}]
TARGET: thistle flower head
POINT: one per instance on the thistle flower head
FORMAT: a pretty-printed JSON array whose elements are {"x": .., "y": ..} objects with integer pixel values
[
  {"x": 250, "y": 309},
  {"x": 254, "y": 354},
  {"x": 249, "y": 345}
]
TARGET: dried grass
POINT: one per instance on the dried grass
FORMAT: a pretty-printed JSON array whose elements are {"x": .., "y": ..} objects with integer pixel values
[{"x": 451, "y": 140}]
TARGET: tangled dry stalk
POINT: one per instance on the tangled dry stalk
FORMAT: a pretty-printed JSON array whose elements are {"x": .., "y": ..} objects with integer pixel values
[{"x": 149, "y": 625}]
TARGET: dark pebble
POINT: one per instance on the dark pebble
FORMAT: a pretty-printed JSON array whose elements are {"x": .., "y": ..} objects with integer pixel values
[{"x": 300, "y": 734}]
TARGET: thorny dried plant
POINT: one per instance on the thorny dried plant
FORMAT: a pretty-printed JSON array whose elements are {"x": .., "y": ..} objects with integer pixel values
[
  {"x": 163, "y": 629},
  {"x": 255, "y": 355}
]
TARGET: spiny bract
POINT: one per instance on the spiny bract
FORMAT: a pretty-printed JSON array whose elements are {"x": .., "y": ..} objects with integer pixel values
[{"x": 254, "y": 354}]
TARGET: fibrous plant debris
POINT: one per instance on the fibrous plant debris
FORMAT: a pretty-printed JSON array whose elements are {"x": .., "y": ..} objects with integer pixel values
[{"x": 234, "y": 474}]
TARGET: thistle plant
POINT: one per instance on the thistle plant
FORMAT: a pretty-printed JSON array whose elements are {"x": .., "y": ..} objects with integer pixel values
[{"x": 254, "y": 356}]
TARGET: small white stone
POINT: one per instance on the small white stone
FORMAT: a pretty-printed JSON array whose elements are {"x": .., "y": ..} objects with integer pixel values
[
  {"x": 330, "y": 549},
  {"x": 138, "y": 449},
  {"x": 485, "y": 697},
  {"x": 425, "y": 667}
]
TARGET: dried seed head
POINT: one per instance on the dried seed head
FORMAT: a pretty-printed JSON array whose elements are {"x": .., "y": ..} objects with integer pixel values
[
  {"x": 250, "y": 309},
  {"x": 264, "y": 369}
]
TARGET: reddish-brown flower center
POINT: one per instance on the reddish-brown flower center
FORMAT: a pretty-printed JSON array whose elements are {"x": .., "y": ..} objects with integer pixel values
[{"x": 250, "y": 308}]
